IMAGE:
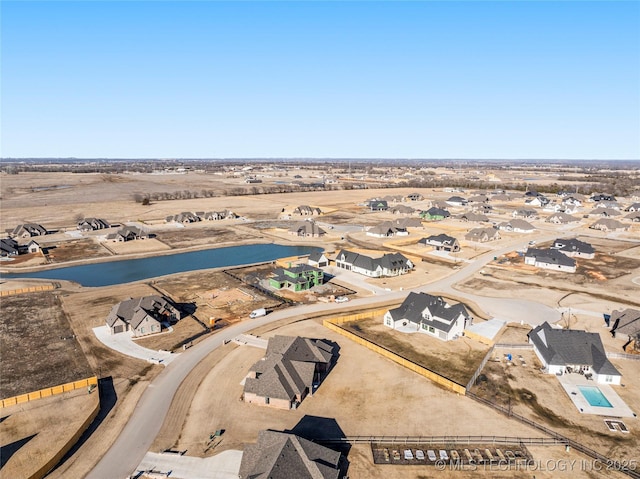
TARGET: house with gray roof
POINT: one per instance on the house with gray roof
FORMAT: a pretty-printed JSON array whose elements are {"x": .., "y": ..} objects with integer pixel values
[
  {"x": 435, "y": 214},
  {"x": 27, "y": 230},
  {"x": 441, "y": 242},
  {"x": 414, "y": 197},
  {"x": 604, "y": 212},
  {"x": 219, "y": 215},
  {"x": 457, "y": 201},
  {"x": 425, "y": 313},
  {"x": 8, "y": 247},
  {"x": 402, "y": 210},
  {"x": 565, "y": 351},
  {"x": 128, "y": 233},
  {"x": 391, "y": 264},
  {"x": 184, "y": 217},
  {"x": 377, "y": 205},
  {"x": 562, "y": 219},
  {"x": 633, "y": 216},
  {"x": 386, "y": 229},
  {"x": 306, "y": 210},
  {"x": 482, "y": 235},
  {"x": 608, "y": 224},
  {"x": 574, "y": 248},
  {"x": 306, "y": 229},
  {"x": 473, "y": 217},
  {"x": 404, "y": 223},
  {"x": 517, "y": 225},
  {"x": 627, "y": 322},
  {"x": 93, "y": 224},
  {"x": 318, "y": 259},
  {"x": 635, "y": 207},
  {"x": 282, "y": 455},
  {"x": 525, "y": 213},
  {"x": 142, "y": 316},
  {"x": 550, "y": 259},
  {"x": 291, "y": 369}
]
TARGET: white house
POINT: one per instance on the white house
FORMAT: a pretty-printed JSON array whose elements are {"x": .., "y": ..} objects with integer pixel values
[
  {"x": 550, "y": 259},
  {"x": 574, "y": 248},
  {"x": 566, "y": 351},
  {"x": 424, "y": 313},
  {"x": 391, "y": 264}
]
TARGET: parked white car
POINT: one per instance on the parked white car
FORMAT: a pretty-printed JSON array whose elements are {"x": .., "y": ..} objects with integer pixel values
[
  {"x": 419, "y": 455},
  {"x": 408, "y": 454},
  {"x": 341, "y": 299},
  {"x": 431, "y": 455},
  {"x": 443, "y": 454}
]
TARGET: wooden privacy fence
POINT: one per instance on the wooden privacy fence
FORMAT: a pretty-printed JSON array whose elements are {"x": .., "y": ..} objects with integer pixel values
[
  {"x": 32, "y": 289},
  {"x": 52, "y": 391},
  {"x": 333, "y": 325}
]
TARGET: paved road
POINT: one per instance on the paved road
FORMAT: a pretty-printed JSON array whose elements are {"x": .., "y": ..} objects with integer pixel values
[{"x": 137, "y": 436}]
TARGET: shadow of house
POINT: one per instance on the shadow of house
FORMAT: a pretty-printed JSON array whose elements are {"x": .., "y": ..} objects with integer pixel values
[
  {"x": 7, "y": 451},
  {"x": 325, "y": 431}
]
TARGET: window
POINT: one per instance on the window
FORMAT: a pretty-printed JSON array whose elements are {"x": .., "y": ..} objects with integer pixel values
[
  {"x": 432, "y": 329},
  {"x": 389, "y": 322},
  {"x": 142, "y": 330},
  {"x": 266, "y": 400},
  {"x": 608, "y": 379}
]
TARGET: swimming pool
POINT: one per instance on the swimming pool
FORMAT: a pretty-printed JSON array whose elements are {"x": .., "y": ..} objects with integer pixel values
[{"x": 594, "y": 396}]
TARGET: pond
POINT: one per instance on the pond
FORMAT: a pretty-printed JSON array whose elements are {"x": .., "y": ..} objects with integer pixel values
[{"x": 126, "y": 271}]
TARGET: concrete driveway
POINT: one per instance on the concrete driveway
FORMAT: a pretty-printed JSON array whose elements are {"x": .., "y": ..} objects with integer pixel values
[
  {"x": 124, "y": 343},
  {"x": 225, "y": 465}
]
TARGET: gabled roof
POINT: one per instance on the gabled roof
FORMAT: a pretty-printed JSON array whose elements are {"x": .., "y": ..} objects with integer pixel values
[
  {"x": 550, "y": 256},
  {"x": 316, "y": 256},
  {"x": 473, "y": 217},
  {"x": 566, "y": 347},
  {"x": 433, "y": 211},
  {"x": 134, "y": 310},
  {"x": 438, "y": 239},
  {"x": 388, "y": 261},
  {"x": 626, "y": 321},
  {"x": 573, "y": 245},
  {"x": 308, "y": 227},
  {"x": 278, "y": 455},
  {"x": 8, "y": 247},
  {"x": 517, "y": 224},
  {"x": 608, "y": 223},
  {"x": 443, "y": 315},
  {"x": 562, "y": 218}
]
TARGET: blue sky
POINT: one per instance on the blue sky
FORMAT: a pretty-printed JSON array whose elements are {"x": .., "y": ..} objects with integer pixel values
[{"x": 161, "y": 79}]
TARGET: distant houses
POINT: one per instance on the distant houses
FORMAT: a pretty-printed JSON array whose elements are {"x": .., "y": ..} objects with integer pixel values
[
  {"x": 457, "y": 201},
  {"x": 306, "y": 210},
  {"x": 567, "y": 351},
  {"x": 27, "y": 230},
  {"x": 191, "y": 217},
  {"x": 608, "y": 224},
  {"x": 288, "y": 372},
  {"x": 482, "y": 235},
  {"x": 306, "y": 229},
  {"x": 425, "y": 313},
  {"x": 377, "y": 205},
  {"x": 184, "y": 217},
  {"x": 435, "y": 214},
  {"x": 93, "y": 224},
  {"x": 550, "y": 259},
  {"x": 517, "y": 225},
  {"x": 473, "y": 217},
  {"x": 128, "y": 233},
  {"x": 386, "y": 229},
  {"x": 525, "y": 213},
  {"x": 391, "y": 264},
  {"x": 562, "y": 219},
  {"x": 414, "y": 197},
  {"x": 442, "y": 242},
  {"x": 142, "y": 316}
]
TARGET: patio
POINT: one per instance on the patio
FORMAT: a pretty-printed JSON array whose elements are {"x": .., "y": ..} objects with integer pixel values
[{"x": 570, "y": 383}]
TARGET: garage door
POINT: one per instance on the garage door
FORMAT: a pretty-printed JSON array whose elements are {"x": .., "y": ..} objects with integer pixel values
[{"x": 118, "y": 329}]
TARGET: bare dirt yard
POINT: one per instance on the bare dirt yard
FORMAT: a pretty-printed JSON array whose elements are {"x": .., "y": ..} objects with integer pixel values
[
  {"x": 456, "y": 360},
  {"x": 199, "y": 234},
  {"x": 74, "y": 250},
  {"x": 39, "y": 347}
]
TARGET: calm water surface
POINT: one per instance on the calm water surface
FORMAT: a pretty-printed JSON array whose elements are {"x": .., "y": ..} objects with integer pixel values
[{"x": 126, "y": 271}]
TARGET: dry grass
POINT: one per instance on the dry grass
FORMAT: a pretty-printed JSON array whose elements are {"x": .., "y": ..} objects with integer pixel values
[
  {"x": 74, "y": 250},
  {"x": 39, "y": 347}
]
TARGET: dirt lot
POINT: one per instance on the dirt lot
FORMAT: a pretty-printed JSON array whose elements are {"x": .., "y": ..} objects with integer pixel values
[
  {"x": 456, "y": 360},
  {"x": 75, "y": 250},
  {"x": 39, "y": 347},
  {"x": 204, "y": 233}
]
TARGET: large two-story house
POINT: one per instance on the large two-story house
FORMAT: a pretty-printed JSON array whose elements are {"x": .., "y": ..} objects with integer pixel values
[{"x": 391, "y": 264}]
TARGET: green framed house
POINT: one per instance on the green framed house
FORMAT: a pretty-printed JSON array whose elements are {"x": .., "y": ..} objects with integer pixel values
[{"x": 297, "y": 278}]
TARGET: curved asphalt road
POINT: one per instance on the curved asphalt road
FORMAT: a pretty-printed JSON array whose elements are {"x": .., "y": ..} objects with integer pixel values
[{"x": 144, "y": 424}]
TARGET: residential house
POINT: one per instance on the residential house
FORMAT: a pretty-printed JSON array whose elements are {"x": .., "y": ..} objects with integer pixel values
[
  {"x": 566, "y": 351},
  {"x": 536, "y": 201},
  {"x": 635, "y": 207},
  {"x": 386, "y": 229},
  {"x": 414, "y": 197},
  {"x": 525, "y": 213},
  {"x": 482, "y": 235},
  {"x": 297, "y": 278},
  {"x": 306, "y": 210},
  {"x": 402, "y": 210},
  {"x": 608, "y": 224},
  {"x": 392, "y": 198},
  {"x": 93, "y": 224},
  {"x": 184, "y": 217},
  {"x": 604, "y": 212},
  {"x": 627, "y": 322},
  {"x": 441, "y": 242},
  {"x": 572, "y": 201},
  {"x": 307, "y": 229},
  {"x": 601, "y": 197},
  {"x": 435, "y": 214},
  {"x": 517, "y": 226},
  {"x": 128, "y": 233},
  {"x": 574, "y": 248},
  {"x": 479, "y": 199},
  {"x": 219, "y": 215},
  {"x": 562, "y": 219},
  {"x": 502, "y": 197},
  {"x": 292, "y": 366},
  {"x": 377, "y": 205},
  {"x": 404, "y": 223},
  {"x": 142, "y": 316},
  {"x": 318, "y": 259},
  {"x": 482, "y": 208},
  {"x": 27, "y": 230},
  {"x": 8, "y": 247},
  {"x": 550, "y": 259},
  {"x": 474, "y": 217},
  {"x": 422, "y": 312},
  {"x": 33, "y": 247},
  {"x": 633, "y": 216},
  {"x": 457, "y": 201},
  {"x": 614, "y": 205},
  {"x": 391, "y": 264},
  {"x": 283, "y": 455}
]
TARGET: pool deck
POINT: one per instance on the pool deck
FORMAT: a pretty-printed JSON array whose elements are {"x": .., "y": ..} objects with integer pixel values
[{"x": 570, "y": 383}]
